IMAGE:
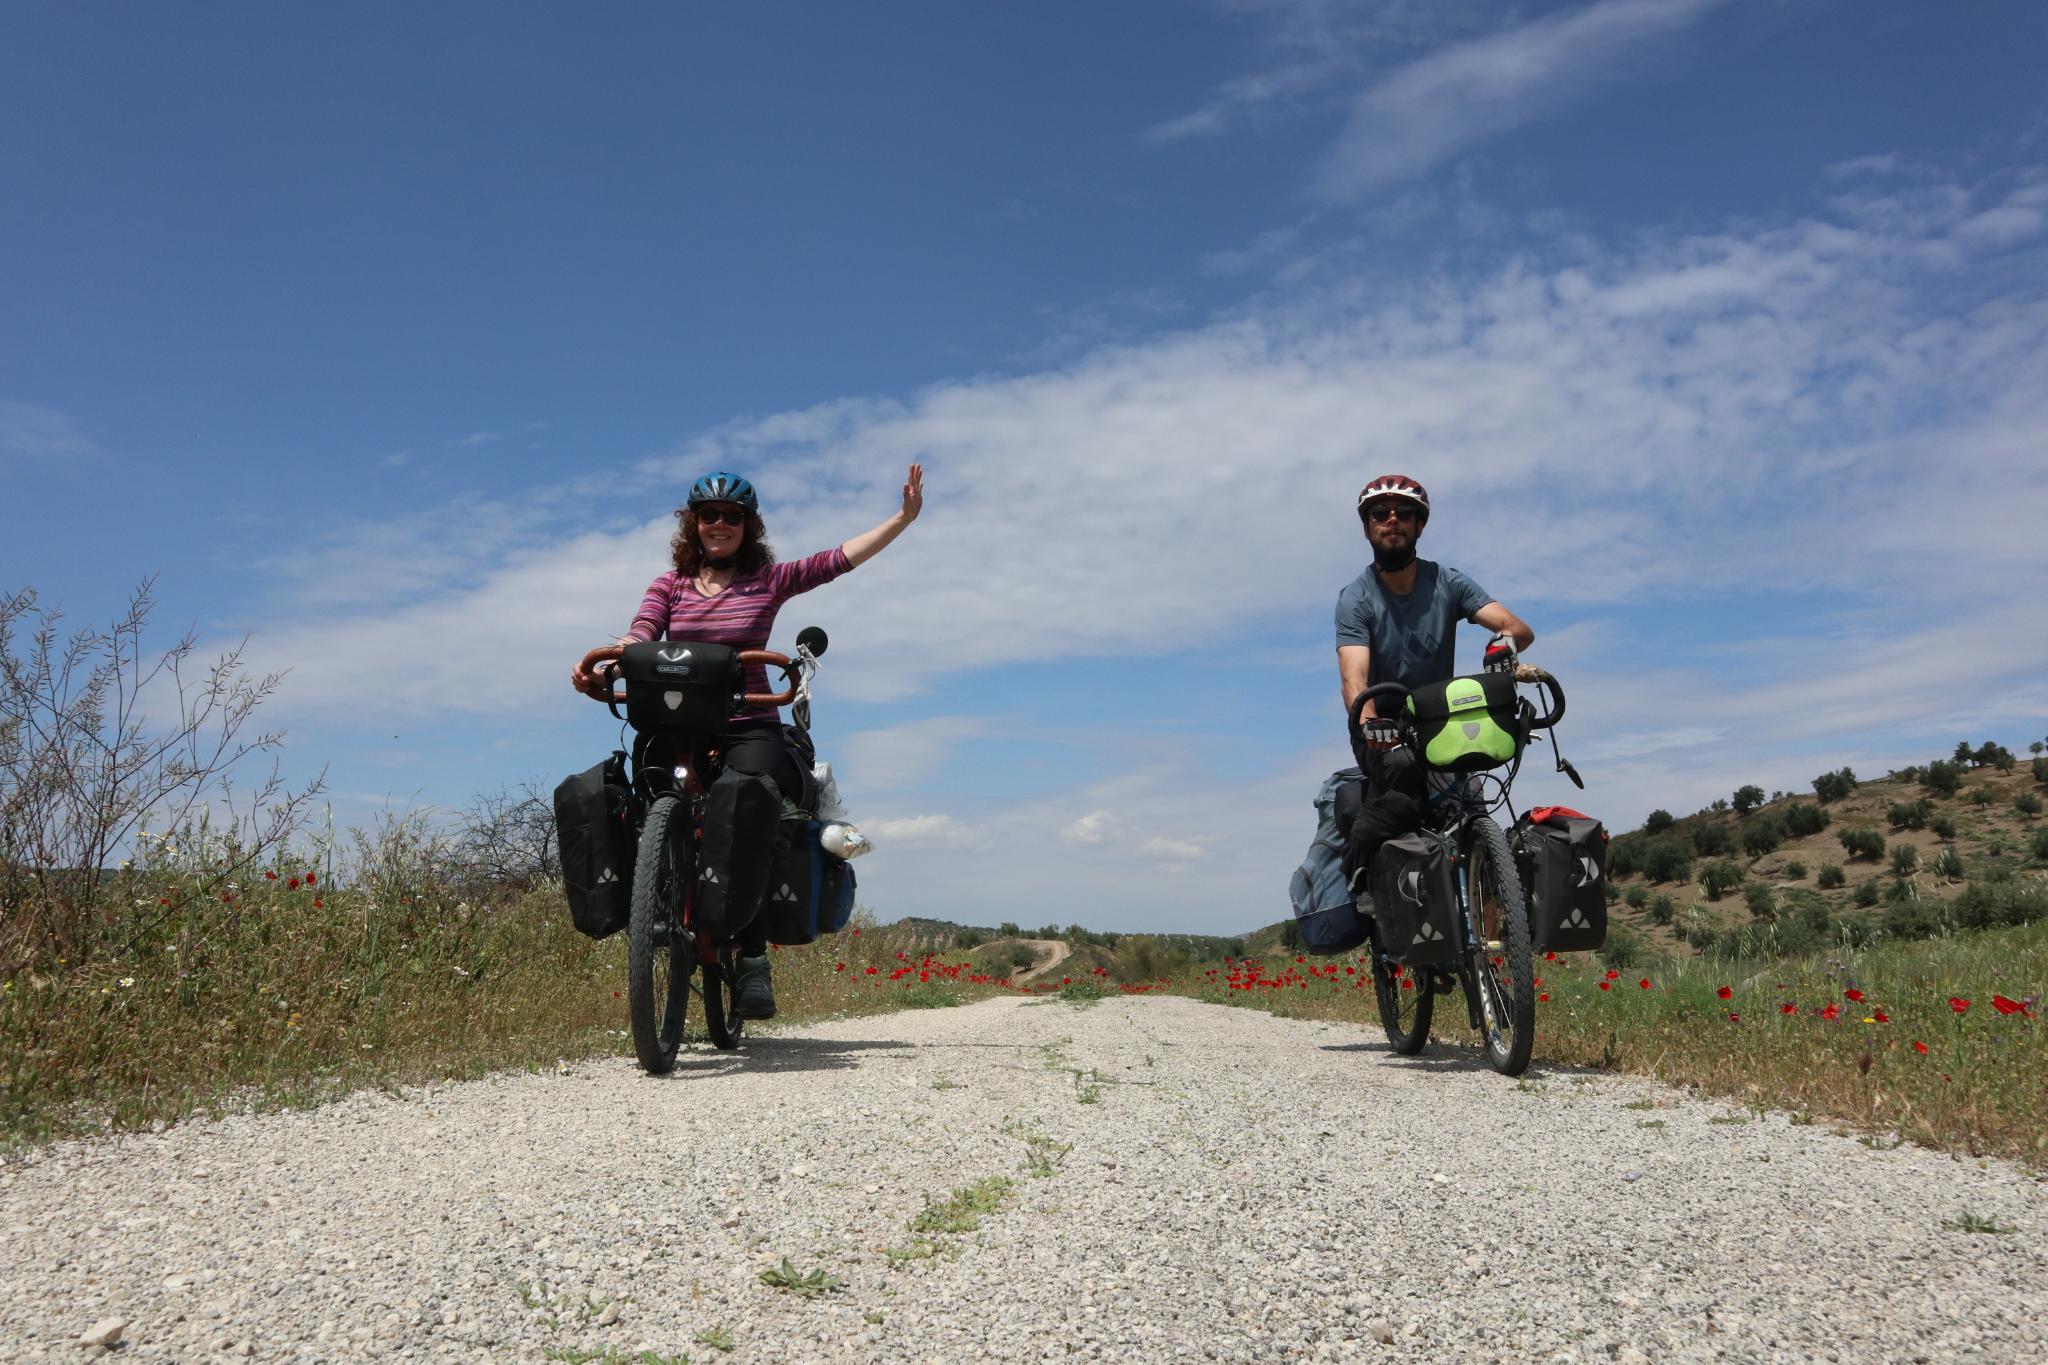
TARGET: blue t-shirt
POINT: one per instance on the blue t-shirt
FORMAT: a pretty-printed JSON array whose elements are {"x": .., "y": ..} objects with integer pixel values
[{"x": 1413, "y": 637}]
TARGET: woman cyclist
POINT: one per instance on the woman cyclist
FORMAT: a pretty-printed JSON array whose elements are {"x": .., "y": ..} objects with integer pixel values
[{"x": 725, "y": 589}]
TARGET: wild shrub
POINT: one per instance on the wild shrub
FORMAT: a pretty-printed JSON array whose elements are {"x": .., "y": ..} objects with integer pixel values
[
  {"x": 1144, "y": 957},
  {"x": 1991, "y": 755},
  {"x": 1861, "y": 841},
  {"x": 1910, "y": 814},
  {"x": 1667, "y": 859},
  {"x": 1942, "y": 777},
  {"x": 2027, "y": 804},
  {"x": 1997, "y": 904},
  {"x": 1981, "y": 796},
  {"x": 2040, "y": 766},
  {"x": 1802, "y": 819},
  {"x": 1944, "y": 826},
  {"x": 1624, "y": 948},
  {"x": 1910, "y": 917},
  {"x": 1713, "y": 839},
  {"x": 1762, "y": 835},
  {"x": 1835, "y": 785},
  {"x": 1720, "y": 877},
  {"x": 1795, "y": 871},
  {"x": 1747, "y": 799},
  {"x": 1663, "y": 909},
  {"x": 1831, "y": 876},
  {"x": 2037, "y": 846},
  {"x": 1905, "y": 858},
  {"x": 1947, "y": 864},
  {"x": 1637, "y": 897},
  {"x": 1657, "y": 822},
  {"x": 1624, "y": 857},
  {"x": 1807, "y": 930},
  {"x": 1763, "y": 902},
  {"x": 1866, "y": 893}
]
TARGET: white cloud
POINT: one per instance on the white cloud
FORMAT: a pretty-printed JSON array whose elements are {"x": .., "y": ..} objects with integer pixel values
[
  {"x": 39, "y": 433},
  {"x": 477, "y": 438},
  {"x": 1178, "y": 850},
  {"x": 903, "y": 755},
  {"x": 923, "y": 831},
  {"x": 1452, "y": 98},
  {"x": 1093, "y": 828}
]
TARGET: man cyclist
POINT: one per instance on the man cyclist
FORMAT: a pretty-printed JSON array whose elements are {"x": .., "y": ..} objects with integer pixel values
[{"x": 1398, "y": 622}]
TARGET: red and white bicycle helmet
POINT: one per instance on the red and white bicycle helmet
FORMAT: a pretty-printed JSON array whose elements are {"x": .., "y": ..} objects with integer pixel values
[{"x": 1395, "y": 486}]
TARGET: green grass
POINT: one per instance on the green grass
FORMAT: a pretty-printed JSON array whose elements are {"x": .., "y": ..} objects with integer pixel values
[
  {"x": 805, "y": 1284},
  {"x": 963, "y": 1209},
  {"x": 1979, "y": 1086}
]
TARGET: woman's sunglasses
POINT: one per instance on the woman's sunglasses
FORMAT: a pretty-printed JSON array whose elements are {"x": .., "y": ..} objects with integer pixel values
[{"x": 716, "y": 516}]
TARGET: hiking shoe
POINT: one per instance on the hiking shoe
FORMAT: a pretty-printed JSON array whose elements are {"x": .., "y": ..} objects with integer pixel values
[{"x": 753, "y": 990}]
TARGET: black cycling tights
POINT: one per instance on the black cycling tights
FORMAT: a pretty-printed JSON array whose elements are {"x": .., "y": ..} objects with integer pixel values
[{"x": 757, "y": 748}]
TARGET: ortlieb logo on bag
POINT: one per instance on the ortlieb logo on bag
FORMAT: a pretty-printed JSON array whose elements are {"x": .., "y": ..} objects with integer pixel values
[
  {"x": 1468, "y": 725},
  {"x": 1563, "y": 862},
  {"x": 1414, "y": 900},
  {"x": 597, "y": 827}
]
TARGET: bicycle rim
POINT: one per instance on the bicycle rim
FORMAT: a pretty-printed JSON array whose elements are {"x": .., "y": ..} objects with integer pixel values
[
  {"x": 1405, "y": 999},
  {"x": 1503, "y": 966},
  {"x": 657, "y": 963}
]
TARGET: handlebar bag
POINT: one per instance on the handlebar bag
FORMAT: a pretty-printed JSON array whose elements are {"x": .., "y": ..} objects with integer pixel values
[
  {"x": 597, "y": 828},
  {"x": 680, "y": 686},
  {"x": 1414, "y": 901},
  {"x": 1468, "y": 725},
  {"x": 1563, "y": 862},
  {"x": 810, "y": 892}
]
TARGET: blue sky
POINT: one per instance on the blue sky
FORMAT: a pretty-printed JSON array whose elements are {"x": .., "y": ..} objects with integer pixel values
[{"x": 388, "y": 337}]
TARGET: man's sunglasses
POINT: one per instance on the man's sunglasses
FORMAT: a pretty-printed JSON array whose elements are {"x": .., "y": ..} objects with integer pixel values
[
  {"x": 715, "y": 516},
  {"x": 1390, "y": 511}
]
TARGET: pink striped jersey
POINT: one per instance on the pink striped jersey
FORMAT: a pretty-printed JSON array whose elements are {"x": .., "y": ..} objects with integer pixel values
[{"x": 740, "y": 616}]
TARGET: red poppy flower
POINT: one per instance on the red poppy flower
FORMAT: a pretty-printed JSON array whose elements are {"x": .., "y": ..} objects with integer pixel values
[
  {"x": 615, "y": 995},
  {"x": 270, "y": 876},
  {"x": 871, "y": 971},
  {"x": 1788, "y": 1008},
  {"x": 319, "y": 904},
  {"x": 1607, "y": 985},
  {"x": 1919, "y": 1047},
  {"x": 1644, "y": 983},
  {"x": 1958, "y": 1004},
  {"x": 1550, "y": 957},
  {"x": 1613, "y": 974},
  {"x": 1880, "y": 1016},
  {"x": 1725, "y": 992},
  {"x": 310, "y": 879},
  {"x": 2005, "y": 1006},
  {"x": 1853, "y": 994},
  {"x": 292, "y": 885},
  {"x": 1066, "y": 981},
  {"x": 1544, "y": 997},
  {"x": 1831, "y": 1013},
  {"x": 856, "y": 933},
  {"x": 1301, "y": 959},
  {"x": 839, "y": 967},
  {"x": 1734, "y": 1018}
]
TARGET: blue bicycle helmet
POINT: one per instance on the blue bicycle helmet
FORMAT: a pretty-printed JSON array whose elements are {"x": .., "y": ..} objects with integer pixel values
[{"x": 724, "y": 487}]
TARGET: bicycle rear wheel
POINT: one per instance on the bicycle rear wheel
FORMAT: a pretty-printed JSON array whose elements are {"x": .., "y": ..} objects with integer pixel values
[
  {"x": 1406, "y": 1001},
  {"x": 1503, "y": 965},
  {"x": 720, "y": 983},
  {"x": 657, "y": 966}
]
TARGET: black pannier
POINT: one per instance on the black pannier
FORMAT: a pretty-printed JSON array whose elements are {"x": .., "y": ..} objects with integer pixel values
[
  {"x": 680, "y": 686},
  {"x": 597, "y": 828},
  {"x": 1563, "y": 862},
  {"x": 810, "y": 892},
  {"x": 1414, "y": 901},
  {"x": 738, "y": 854}
]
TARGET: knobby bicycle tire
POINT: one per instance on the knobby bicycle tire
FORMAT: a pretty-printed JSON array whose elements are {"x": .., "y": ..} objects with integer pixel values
[
  {"x": 1506, "y": 973},
  {"x": 1405, "y": 1012},
  {"x": 657, "y": 964}
]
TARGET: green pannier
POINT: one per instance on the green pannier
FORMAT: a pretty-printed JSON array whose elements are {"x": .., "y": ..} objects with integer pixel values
[{"x": 1468, "y": 725}]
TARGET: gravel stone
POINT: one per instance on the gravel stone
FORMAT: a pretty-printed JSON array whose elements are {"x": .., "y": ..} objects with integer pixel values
[{"x": 1239, "y": 1188}]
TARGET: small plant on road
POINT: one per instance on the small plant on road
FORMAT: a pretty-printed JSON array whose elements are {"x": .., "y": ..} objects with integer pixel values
[
  {"x": 717, "y": 1338},
  {"x": 1971, "y": 1222},
  {"x": 962, "y": 1210},
  {"x": 807, "y": 1284}
]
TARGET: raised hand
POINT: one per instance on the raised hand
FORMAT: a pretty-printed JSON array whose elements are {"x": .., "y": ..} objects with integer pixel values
[{"x": 913, "y": 493}]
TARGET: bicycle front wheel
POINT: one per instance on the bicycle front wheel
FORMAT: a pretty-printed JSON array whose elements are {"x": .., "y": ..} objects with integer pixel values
[
  {"x": 1503, "y": 963},
  {"x": 657, "y": 967}
]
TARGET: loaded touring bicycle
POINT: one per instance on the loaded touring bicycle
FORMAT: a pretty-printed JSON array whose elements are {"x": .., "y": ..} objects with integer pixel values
[{"x": 1457, "y": 901}]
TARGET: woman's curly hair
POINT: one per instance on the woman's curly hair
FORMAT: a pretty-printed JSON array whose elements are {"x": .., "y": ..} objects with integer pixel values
[{"x": 686, "y": 550}]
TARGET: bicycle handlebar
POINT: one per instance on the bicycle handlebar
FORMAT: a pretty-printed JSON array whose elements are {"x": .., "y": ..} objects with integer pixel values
[
  {"x": 595, "y": 676},
  {"x": 1529, "y": 673}
]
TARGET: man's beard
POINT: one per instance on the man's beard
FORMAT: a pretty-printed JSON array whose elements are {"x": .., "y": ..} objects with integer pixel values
[{"x": 1393, "y": 559}]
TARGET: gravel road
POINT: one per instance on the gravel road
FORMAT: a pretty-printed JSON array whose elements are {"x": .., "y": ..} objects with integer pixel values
[{"x": 1237, "y": 1188}]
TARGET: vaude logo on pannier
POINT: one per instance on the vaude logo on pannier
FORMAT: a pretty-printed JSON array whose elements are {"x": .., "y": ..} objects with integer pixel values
[
  {"x": 785, "y": 894},
  {"x": 674, "y": 656},
  {"x": 1589, "y": 871},
  {"x": 673, "y": 700},
  {"x": 1427, "y": 933}
]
